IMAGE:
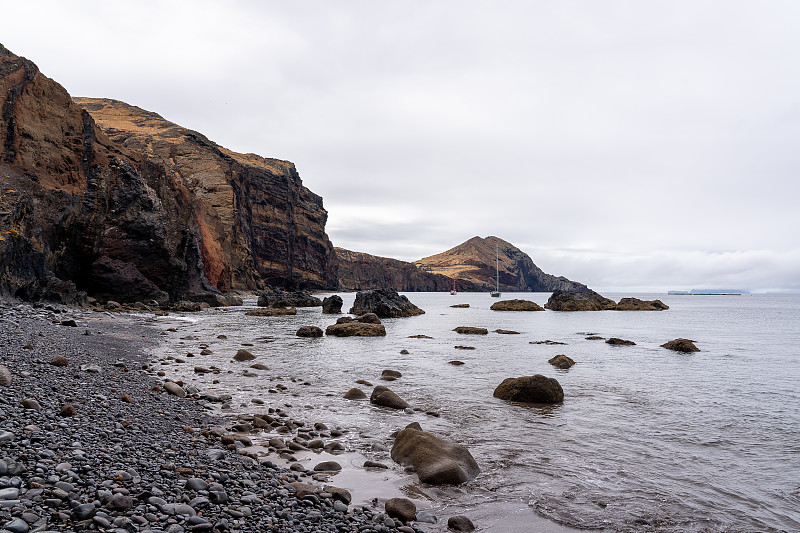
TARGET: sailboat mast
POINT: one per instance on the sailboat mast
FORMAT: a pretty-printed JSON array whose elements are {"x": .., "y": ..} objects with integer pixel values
[{"x": 496, "y": 270}]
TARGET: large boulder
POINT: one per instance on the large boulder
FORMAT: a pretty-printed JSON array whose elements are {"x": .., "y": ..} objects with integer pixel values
[
  {"x": 384, "y": 397},
  {"x": 436, "y": 461},
  {"x": 681, "y": 345},
  {"x": 635, "y": 304},
  {"x": 278, "y": 298},
  {"x": 332, "y": 305},
  {"x": 516, "y": 305},
  {"x": 530, "y": 389},
  {"x": 386, "y": 303},
  {"x": 401, "y": 508},
  {"x": 578, "y": 301},
  {"x": 356, "y": 329}
]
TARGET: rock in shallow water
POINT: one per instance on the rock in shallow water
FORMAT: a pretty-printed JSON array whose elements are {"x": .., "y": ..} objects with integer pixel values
[
  {"x": 681, "y": 345},
  {"x": 386, "y": 303},
  {"x": 530, "y": 389},
  {"x": 436, "y": 461}
]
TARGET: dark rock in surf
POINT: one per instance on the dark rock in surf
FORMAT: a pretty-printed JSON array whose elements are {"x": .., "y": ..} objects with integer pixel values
[
  {"x": 619, "y": 342},
  {"x": 332, "y": 305},
  {"x": 309, "y": 331},
  {"x": 355, "y": 394},
  {"x": 278, "y": 298},
  {"x": 530, "y": 389},
  {"x": 460, "y": 524},
  {"x": 578, "y": 301},
  {"x": 516, "y": 305},
  {"x": 561, "y": 361},
  {"x": 469, "y": 330},
  {"x": 384, "y": 397},
  {"x": 386, "y": 303},
  {"x": 635, "y": 304},
  {"x": 435, "y": 460},
  {"x": 681, "y": 345}
]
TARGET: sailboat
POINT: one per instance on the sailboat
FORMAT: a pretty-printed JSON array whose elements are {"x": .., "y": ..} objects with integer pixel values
[
  {"x": 454, "y": 292},
  {"x": 496, "y": 292}
]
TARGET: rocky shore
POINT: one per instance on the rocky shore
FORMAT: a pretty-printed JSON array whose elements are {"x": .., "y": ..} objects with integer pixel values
[{"x": 90, "y": 439}]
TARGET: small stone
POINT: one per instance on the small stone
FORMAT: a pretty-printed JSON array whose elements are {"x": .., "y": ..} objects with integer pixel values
[
  {"x": 401, "y": 508},
  {"x": 68, "y": 410},
  {"x": 174, "y": 389},
  {"x": 126, "y": 398},
  {"x": 30, "y": 403},
  {"x": 328, "y": 466},
  {"x": 460, "y": 524},
  {"x": 5, "y": 376},
  {"x": 83, "y": 512},
  {"x": 339, "y": 506},
  {"x": 69, "y": 322},
  {"x": 59, "y": 361},
  {"x": 17, "y": 525}
]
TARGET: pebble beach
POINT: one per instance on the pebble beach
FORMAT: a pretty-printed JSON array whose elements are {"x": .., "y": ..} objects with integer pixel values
[{"x": 91, "y": 440}]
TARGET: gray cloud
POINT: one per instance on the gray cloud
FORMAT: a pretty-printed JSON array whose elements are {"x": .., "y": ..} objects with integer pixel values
[{"x": 624, "y": 144}]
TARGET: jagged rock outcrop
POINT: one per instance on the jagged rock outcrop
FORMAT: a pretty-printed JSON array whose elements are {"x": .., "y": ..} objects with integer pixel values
[
  {"x": 385, "y": 303},
  {"x": 635, "y": 304},
  {"x": 473, "y": 263},
  {"x": 579, "y": 301},
  {"x": 128, "y": 205},
  {"x": 332, "y": 305},
  {"x": 277, "y": 298}
]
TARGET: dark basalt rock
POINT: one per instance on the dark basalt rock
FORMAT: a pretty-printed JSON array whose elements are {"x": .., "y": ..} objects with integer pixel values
[
  {"x": 635, "y": 304},
  {"x": 278, "y": 298},
  {"x": 384, "y": 397},
  {"x": 579, "y": 301},
  {"x": 309, "y": 331},
  {"x": 435, "y": 460},
  {"x": 332, "y": 305},
  {"x": 356, "y": 329},
  {"x": 530, "y": 389},
  {"x": 561, "y": 361},
  {"x": 681, "y": 345},
  {"x": 386, "y": 303},
  {"x": 620, "y": 342},
  {"x": 516, "y": 305}
]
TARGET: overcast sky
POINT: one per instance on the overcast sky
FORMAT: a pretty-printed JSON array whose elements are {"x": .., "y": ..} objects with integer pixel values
[{"x": 627, "y": 145}]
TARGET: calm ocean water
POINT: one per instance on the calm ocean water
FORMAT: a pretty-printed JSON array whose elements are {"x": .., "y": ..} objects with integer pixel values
[{"x": 646, "y": 439}]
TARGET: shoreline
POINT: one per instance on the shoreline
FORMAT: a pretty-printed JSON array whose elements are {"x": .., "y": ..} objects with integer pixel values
[{"x": 133, "y": 457}]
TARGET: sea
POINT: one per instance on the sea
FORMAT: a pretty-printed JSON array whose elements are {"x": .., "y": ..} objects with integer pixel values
[{"x": 646, "y": 439}]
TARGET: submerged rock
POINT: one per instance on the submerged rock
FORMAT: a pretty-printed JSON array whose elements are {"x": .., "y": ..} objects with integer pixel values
[
  {"x": 243, "y": 355},
  {"x": 460, "y": 306},
  {"x": 681, "y": 345},
  {"x": 578, "y": 301},
  {"x": 386, "y": 303},
  {"x": 530, "y": 389},
  {"x": 469, "y": 330},
  {"x": 460, "y": 524},
  {"x": 436, "y": 461},
  {"x": 635, "y": 304},
  {"x": 355, "y": 394},
  {"x": 272, "y": 311},
  {"x": 516, "y": 305}
]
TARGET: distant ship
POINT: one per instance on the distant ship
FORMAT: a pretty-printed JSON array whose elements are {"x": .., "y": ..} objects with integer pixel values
[{"x": 711, "y": 292}]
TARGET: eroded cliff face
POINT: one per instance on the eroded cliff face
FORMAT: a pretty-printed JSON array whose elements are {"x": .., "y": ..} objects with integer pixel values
[
  {"x": 474, "y": 261},
  {"x": 153, "y": 211},
  {"x": 259, "y": 224}
]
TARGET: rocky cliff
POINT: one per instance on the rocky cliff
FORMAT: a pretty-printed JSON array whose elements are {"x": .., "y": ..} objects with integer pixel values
[
  {"x": 469, "y": 266},
  {"x": 130, "y": 206},
  {"x": 474, "y": 262}
]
